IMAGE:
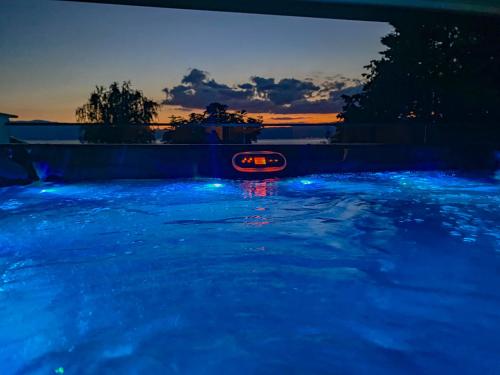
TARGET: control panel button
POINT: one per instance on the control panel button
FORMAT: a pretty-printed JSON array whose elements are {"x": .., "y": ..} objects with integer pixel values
[{"x": 259, "y": 161}]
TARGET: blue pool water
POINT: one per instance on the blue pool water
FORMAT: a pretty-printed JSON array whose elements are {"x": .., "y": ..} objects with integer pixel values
[{"x": 388, "y": 273}]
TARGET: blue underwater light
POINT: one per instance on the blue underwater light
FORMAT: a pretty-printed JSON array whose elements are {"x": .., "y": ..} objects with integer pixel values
[{"x": 215, "y": 185}]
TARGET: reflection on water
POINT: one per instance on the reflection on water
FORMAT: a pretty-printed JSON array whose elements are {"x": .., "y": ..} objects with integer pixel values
[
  {"x": 262, "y": 188},
  {"x": 354, "y": 273}
]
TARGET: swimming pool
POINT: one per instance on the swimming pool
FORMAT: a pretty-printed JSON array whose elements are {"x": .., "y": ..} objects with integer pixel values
[{"x": 352, "y": 273}]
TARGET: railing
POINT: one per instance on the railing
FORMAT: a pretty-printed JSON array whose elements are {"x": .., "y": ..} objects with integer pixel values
[
  {"x": 52, "y": 132},
  {"x": 158, "y": 124}
]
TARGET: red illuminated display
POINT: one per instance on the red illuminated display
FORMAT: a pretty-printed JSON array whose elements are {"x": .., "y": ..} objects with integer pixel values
[{"x": 259, "y": 161}]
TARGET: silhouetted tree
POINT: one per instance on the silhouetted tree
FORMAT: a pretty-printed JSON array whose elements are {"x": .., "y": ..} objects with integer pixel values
[
  {"x": 445, "y": 72},
  {"x": 192, "y": 129},
  {"x": 120, "y": 114}
]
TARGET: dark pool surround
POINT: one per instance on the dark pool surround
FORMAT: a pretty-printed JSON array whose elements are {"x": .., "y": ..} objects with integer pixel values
[{"x": 23, "y": 163}]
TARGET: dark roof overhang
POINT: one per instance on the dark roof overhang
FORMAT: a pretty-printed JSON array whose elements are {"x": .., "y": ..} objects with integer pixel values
[{"x": 366, "y": 10}]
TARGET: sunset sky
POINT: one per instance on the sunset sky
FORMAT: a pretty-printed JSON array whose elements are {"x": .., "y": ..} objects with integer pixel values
[{"x": 287, "y": 69}]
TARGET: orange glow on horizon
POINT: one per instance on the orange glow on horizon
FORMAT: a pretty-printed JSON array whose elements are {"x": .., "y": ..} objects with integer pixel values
[
  {"x": 67, "y": 114},
  {"x": 269, "y": 118},
  {"x": 299, "y": 118}
]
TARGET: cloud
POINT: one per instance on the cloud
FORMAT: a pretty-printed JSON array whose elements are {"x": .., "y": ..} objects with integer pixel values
[
  {"x": 264, "y": 95},
  {"x": 287, "y": 118},
  {"x": 284, "y": 92},
  {"x": 197, "y": 91},
  {"x": 195, "y": 77}
]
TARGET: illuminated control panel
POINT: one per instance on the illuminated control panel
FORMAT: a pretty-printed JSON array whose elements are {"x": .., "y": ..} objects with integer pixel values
[{"x": 259, "y": 161}]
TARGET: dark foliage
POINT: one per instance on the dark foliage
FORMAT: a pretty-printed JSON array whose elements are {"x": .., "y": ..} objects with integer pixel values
[
  {"x": 120, "y": 114},
  {"x": 192, "y": 129},
  {"x": 445, "y": 72}
]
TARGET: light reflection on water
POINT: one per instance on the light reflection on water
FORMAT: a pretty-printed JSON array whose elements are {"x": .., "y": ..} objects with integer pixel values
[
  {"x": 260, "y": 189},
  {"x": 353, "y": 273}
]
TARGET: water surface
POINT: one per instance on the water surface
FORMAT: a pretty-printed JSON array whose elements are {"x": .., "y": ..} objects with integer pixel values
[{"x": 379, "y": 273}]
